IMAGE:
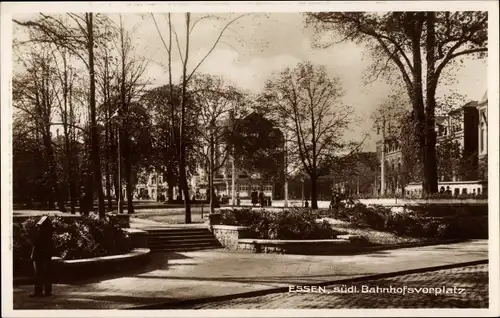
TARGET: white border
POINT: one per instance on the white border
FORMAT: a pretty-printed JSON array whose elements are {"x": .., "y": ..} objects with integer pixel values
[{"x": 8, "y": 9}]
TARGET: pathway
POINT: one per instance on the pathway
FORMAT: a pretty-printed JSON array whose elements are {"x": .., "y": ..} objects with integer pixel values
[{"x": 173, "y": 277}]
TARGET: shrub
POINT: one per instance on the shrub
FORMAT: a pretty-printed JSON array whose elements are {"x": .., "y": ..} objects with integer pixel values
[
  {"x": 423, "y": 221},
  {"x": 75, "y": 239},
  {"x": 293, "y": 224}
]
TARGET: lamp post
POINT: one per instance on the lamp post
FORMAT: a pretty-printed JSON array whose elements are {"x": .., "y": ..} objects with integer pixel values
[
  {"x": 382, "y": 162},
  {"x": 285, "y": 204},
  {"x": 117, "y": 117},
  {"x": 211, "y": 128},
  {"x": 302, "y": 191},
  {"x": 233, "y": 168}
]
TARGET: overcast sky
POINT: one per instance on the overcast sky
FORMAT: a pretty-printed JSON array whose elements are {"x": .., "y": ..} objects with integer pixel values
[{"x": 260, "y": 44}]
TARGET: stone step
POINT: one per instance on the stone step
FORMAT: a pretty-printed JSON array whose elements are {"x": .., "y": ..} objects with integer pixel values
[
  {"x": 178, "y": 232},
  {"x": 186, "y": 246},
  {"x": 184, "y": 249},
  {"x": 179, "y": 237},
  {"x": 179, "y": 242},
  {"x": 190, "y": 243},
  {"x": 175, "y": 239}
]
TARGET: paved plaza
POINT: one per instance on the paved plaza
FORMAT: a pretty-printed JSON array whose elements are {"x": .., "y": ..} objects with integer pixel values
[
  {"x": 174, "y": 277},
  {"x": 462, "y": 287}
]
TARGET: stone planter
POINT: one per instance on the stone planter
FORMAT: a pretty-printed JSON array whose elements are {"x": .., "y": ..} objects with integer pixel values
[
  {"x": 139, "y": 238},
  {"x": 214, "y": 219},
  {"x": 304, "y": 247},
  {"x": 66, "y": 271},
  {"x": 228, "y": 235},
  {"x": 122, "y": 219}
]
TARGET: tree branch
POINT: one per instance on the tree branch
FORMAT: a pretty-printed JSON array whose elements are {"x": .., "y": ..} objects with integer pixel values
[{"x": 214, "y": 45}]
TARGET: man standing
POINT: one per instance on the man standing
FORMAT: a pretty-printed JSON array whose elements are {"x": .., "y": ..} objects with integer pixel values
[
  {"x": 41, "y": 255},
  {"x": 261, "y": 198}
]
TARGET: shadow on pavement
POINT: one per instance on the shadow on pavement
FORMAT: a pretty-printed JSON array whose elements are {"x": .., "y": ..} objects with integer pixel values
[
  {"x": 84, "y": 301},
  {"x": 282, "y": 280},
  {"x": 158, "y": 261}
]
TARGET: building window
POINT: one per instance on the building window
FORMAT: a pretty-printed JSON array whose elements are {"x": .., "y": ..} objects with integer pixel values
[
  {"x": 481, "y": 138},
  {"x": 464, "y": 191},
  {"x": 244, "y": 187},
  {"x": 456, "y": 192},
  {"x": 478, "y": 191}
]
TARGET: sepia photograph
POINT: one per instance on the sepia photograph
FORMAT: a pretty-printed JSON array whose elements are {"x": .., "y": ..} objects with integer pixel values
[{"x": 259, "y": 158}]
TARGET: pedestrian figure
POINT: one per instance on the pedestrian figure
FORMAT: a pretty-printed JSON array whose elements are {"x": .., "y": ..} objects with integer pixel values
[
  {"x": 255, "y": 198},
  {"x": 306, "y": 204},
  {"x": 261, "y": 198},
  {"x": 41, "y": 255},
  {"x": 448, "y": 191}
]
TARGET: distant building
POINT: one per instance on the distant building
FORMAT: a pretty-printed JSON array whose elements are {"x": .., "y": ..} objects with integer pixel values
[
  {"x": 467, "y": 126},
  {"x": 482, "y": 108},
  {"x": 245, "y": 181}
]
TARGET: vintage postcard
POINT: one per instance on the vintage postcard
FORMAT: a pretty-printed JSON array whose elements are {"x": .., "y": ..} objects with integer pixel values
[{"x": 249, "y": 159}]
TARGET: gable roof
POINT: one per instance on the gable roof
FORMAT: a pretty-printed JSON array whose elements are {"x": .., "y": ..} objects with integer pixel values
[{"x": 485, "y": 98}]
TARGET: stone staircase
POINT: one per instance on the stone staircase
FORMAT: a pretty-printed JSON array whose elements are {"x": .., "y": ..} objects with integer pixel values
[{"x": 181, "y": 239}]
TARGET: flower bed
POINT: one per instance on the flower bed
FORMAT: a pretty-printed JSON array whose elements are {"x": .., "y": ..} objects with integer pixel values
[
  {"x": 85, "y": 237},
  {"x": 292, "y": 224},
  {"x": 424, "y": 222},
  {"x": 293, "y": 231}
]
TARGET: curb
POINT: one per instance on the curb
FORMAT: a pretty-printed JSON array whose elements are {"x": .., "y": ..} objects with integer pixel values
[
  {"x": 408, "y": 245},
  {"x": 70, "y": 270},
  {"x": 189, "y": 302}
]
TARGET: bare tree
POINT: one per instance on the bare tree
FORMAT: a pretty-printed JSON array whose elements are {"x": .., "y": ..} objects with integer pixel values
[
  {"x": 34, "y": 94},
  {"x": 66, "y": 76},
  {"x": 185, "y": 79},
  {"x": 307, "y": 99},
  {"x": 404, "y": 44},
  {"x": 130, "y": 74},
  {"x": 218, "y": 106},
  {"x": 80, "y": 38}
]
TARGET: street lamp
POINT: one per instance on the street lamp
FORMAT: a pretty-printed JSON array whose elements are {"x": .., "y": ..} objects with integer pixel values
[
  {"x": 233, "y": 168},
  {"x": 117, "y": 117},
  {"x": 302, "y": 190},
  {"x": 285, "y": 204},
  {"x": 211, "y": 129},
  {"x": 382, "y": 162},
  {"x": 281, "y": 96}
]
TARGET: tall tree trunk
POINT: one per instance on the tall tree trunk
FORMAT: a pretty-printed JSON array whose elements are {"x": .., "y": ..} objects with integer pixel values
[
  {"x": 211, "y": 177},
  {"x": 53, "y": 173},
  {"x": 96, "y": 162},
  {"x": 314, "y": 190},
  {"x": 106, "y": 167},
  {"x": 430, "y": 169},
  {"x": 67, "y": 138},
  {"x": 170, "y": 182},
  {"x": 182, "y": 147},
  {"x": 109, "y": 131},
  {"x": 124, "y": 136},
  {"x": 128, "y": 174},
  {"x": 418, "y": 100}
]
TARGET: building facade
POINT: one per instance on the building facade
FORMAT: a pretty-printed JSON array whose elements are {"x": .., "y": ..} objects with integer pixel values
[
  {"x": 466, "y": 126},
  {"x": 245, "y": 182}
]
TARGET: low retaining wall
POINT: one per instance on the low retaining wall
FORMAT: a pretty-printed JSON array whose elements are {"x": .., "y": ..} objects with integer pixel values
[
  {"x": 331, "y": 246},
  {"x": 228, "y": 235},
  {"x": 238, "y": 238},
  {"x": 122, "y": 219},
  {"x": 139, "y": 238},
  {"x": 65, "y": 271}
]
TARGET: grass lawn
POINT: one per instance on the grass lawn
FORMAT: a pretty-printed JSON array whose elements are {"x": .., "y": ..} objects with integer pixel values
[
  {"x": 374, "y": 237},
  {"x": 170, "y": 216}
]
